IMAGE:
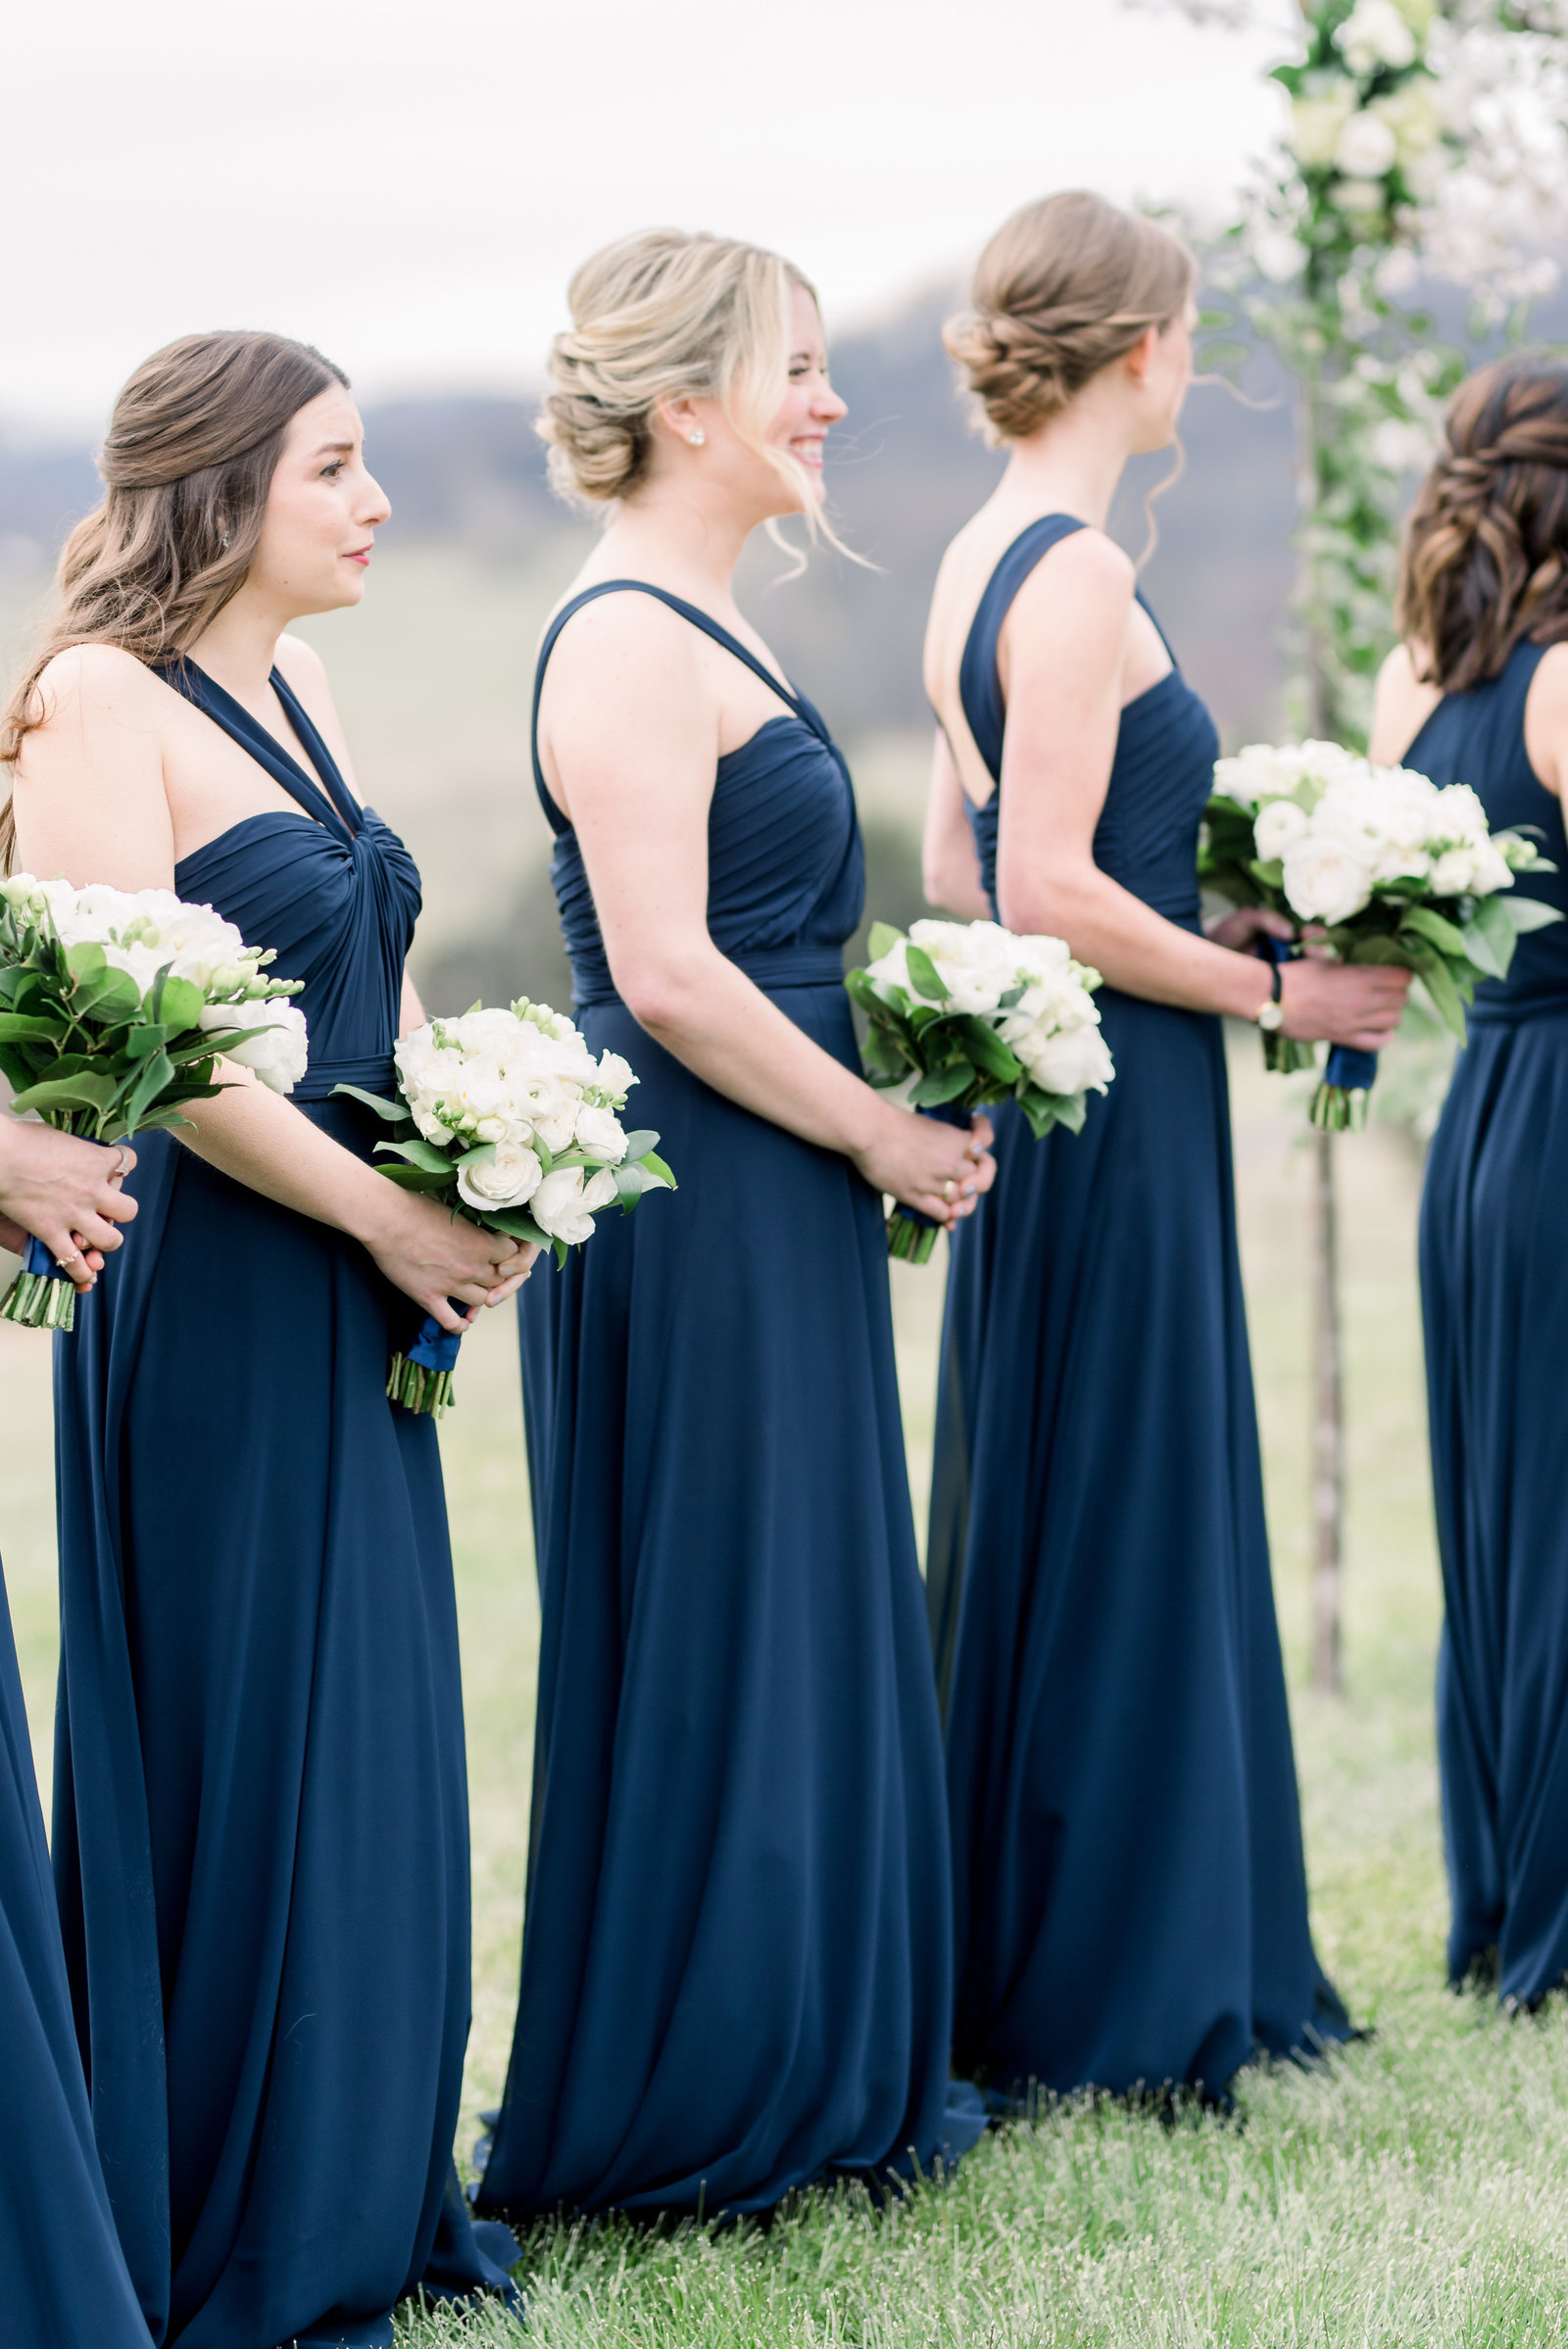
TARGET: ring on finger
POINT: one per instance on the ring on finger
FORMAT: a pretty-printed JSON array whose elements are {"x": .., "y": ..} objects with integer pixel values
[
  {"x": 949, "y": 1188},
  {"x": 75, "y": 1257}
]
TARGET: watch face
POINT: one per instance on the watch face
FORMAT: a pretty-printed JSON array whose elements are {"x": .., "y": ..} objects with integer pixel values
[{"x": 1270, "y": 1017}]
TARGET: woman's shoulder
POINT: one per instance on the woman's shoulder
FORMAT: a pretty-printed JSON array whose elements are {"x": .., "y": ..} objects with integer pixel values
[{"x": 96, "y": 678}]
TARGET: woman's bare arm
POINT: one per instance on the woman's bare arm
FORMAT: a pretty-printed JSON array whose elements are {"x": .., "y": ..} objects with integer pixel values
[
  {"x": 635, "y": 739},
  {"x": 1067, "y": 644},
  {"x": 950, "y": 869}
]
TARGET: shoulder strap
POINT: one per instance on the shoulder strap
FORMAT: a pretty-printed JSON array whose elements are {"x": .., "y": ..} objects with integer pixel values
[
  {"x": 979, "y": 684},
  {"x": 335, "y": 814},
  {"x": 793, "y": 702}
]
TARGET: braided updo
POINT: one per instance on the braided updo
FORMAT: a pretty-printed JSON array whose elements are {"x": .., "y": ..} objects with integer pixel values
[
  {"x": 1484, "y": 558},
  {"x": 1064, "y": 287},
  {"x": 656, "y": 317}
]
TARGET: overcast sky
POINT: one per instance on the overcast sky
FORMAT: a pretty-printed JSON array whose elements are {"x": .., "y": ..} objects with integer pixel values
[{"x": 408, "y": 185}]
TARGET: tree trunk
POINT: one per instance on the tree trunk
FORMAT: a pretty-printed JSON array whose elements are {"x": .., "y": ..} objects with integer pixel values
[{"x": 1328, "y": 1391}]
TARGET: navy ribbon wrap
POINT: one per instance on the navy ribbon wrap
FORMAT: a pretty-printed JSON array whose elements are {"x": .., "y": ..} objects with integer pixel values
[
  {"x": 1351, "y": 1072},
  {"x": 436, "y": 1349},
  {"x": 36, "y": 1259}
]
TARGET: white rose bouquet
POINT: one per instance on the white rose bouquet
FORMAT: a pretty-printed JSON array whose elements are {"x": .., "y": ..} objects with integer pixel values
[
  {"x": 508, "y": 1116},
  {"x": 1386, "y": 867},
  {"x": 113, "y": 1009},
  {"x": 962, "y": 1014}
]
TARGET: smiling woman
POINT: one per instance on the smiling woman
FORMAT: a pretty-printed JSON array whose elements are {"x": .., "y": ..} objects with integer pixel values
[{"x": 259, "y": 1830}]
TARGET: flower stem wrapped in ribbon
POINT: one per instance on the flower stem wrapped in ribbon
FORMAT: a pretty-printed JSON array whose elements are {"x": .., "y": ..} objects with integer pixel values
[
  {"x": 508, "y": 1117},
  {"x": 115, "y": 1007},
  {"x": 1383, "y": 867},
  {"x": 963, "y": 1014}
]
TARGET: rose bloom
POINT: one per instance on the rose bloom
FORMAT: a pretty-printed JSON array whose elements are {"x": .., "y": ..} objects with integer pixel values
[
  {"x": 1073, "y": 1060},
  {"x": 1325, "y": 880},
  {"x": 599, "y": 1133},
  {"x": 278, "y": 1055}
]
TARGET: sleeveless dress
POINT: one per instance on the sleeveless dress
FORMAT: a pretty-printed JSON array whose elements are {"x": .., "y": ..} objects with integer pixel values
[
  {"x": 260, "y": 1827},
  {"x": 1495, "y": 1301},
  {"x": 1129, "y": 1886},
  {"x": 65, "y": 2283},
  {"x": 736, "y": 1964}
]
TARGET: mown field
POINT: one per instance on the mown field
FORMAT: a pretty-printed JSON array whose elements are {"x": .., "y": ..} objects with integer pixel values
[{"x": 1415, "y": 2192}]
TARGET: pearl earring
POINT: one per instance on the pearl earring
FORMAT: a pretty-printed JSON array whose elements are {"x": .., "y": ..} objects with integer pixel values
[{"x": 697, "y": 437}]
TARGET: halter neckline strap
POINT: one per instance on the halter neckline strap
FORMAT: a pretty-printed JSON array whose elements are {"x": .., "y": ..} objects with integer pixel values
[
  {"x": 795, "y": 704},
  {"x": 329, "y": 800}
]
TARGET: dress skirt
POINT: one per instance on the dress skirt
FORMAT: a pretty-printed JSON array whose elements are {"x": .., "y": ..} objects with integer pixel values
[
  {"x": 261, "y": 1818},
  {"x": 1129, "y": 1886},
  {"x": 65, "y": 2283},
  {"x": 736, "y": 1969},
  {"x": 1494, "y": 1298}
]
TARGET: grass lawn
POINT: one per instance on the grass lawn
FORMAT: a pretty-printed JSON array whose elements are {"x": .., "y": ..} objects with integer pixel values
[{"x": 1414, "y": 2192}]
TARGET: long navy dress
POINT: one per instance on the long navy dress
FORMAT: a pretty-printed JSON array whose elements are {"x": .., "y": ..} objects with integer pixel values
[
  {"x": 261, "y": 1827},
  {"x": 1494, "y": 1299},
  {"x": 736, "y": 1964},
  {"x": 1129, "y": 1886},
  {"x": 66, "y": 2282}
]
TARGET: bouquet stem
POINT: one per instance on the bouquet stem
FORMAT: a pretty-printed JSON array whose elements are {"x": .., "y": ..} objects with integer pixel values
[
  {"x": 420, "y": 1380},
  {"x": 41, "y": 1296},
  {"x": 911, "y": 1237},
  {"x": 416, "y": 1388},
  {"x": 1340, "y": 1104},
  {"x": 1287, "y": 1055}
]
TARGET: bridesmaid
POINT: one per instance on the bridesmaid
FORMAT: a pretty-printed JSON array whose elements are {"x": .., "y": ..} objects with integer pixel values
[
  {"x": 1477, "y": 694},
  {"x": 259, "y": 1807},
  {"x": 65, "y": 2281},
  {"x": 1131, "y": 1900},
  {"x": 736, "y": 1967}
]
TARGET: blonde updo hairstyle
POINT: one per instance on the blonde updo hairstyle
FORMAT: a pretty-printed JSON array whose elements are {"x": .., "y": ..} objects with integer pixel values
[
  {"x": 1065, "y": 287},
  {"x": 661, "y": 316}
]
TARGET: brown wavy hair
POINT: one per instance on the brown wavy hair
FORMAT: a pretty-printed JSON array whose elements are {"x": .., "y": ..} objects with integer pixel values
[
  {"x": 1483, "y": 562},
  {"x": 193, "y": 444},
  {"x": 1065, "y": 287}
]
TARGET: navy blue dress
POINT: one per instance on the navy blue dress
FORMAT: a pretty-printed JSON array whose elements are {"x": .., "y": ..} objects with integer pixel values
[
  {"x": 66, "y": 2282},
  {"x": 736, "y": 1964},
  {"x": 260, "y": 1827},
  {"x": 1494, "y": 1299},
  {"x": 1129, "y": 1888}
]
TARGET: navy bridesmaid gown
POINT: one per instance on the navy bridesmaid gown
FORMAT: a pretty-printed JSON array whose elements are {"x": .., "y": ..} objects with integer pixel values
[
  {"x": 736, "y": 1964},
  {"x": 65, "y": 2283},
  {"x": 261, "y": 1829},
  {"x": 1494, "y": 1300},
  {"x": 1129, "y": 1886}
]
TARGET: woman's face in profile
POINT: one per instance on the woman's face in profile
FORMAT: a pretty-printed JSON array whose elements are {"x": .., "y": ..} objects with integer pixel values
[{"x": 323, "y": 511}]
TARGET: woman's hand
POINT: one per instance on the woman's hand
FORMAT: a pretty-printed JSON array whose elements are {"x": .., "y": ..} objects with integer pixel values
[
  {"x": 937, "y": 1168},
  {"x": 1356, "y": 1003},
  {"x": 64, "y": 1191},
  {"x": 1238, "y": 928},
  {"x": 435, "y": 1256}
]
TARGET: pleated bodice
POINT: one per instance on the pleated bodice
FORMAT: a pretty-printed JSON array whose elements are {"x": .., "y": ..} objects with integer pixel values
[
  {"x": 1479, "y": 738},
  {"x": 330, "y": 888},
  {"x": 785, "y": 871},
  {"x": 1147, "y": 837}
]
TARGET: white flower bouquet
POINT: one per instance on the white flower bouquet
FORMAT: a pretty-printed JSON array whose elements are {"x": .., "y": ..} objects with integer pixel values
[
  {"x": 113, "y": 1007},
  {"x": 508, "y": 1116},
  {"x": 963, "y": 1014},
  {"x": 1385, "y": 867}
]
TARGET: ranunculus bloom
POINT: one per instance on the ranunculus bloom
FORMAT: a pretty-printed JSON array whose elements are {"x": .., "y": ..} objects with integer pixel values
[
  {"x": 1280, "y": 824},
  {"x": 507, "y": 1179},
  {"x": 601, "y": 1134},
  {"x": 564, "y": 1204},
  {"x": 278, "y": 1054}
]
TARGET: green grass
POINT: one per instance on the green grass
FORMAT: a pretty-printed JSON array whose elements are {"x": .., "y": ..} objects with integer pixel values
[{"x": 1414, "y": 2192}]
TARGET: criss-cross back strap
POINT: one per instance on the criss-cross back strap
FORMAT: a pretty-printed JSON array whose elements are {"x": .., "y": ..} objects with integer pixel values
[
  {"x": 793, "y": 702},
  {"x": 333, "y": 807}
]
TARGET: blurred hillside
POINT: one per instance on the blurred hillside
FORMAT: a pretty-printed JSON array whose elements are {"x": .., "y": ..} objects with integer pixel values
[{"x": 433, "y": 674}]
